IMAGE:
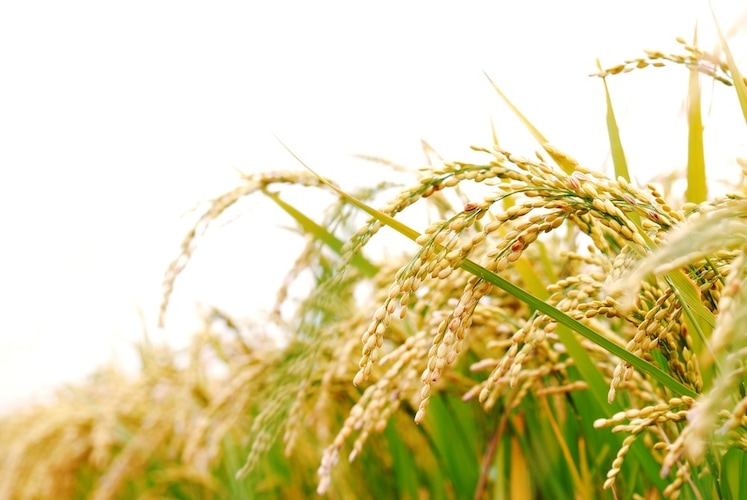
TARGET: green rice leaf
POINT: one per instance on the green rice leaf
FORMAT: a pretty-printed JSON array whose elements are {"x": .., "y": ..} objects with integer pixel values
[
  {"x": 697, "y": 190},
  {"x": 384, "y": 218},
  {"x": 531, "y": 278},
  {"x": 616, "y": 148},
  {"x": 454, "y": 434},
  {"x": 310, "y": 227},
  {"x": 404, "y": 468},
  {"x": 733, "y": 469},
  {"x": 562, "y": 161},
  {"x": 739, "y": 84},
  {"x": 697, "y": 317}
]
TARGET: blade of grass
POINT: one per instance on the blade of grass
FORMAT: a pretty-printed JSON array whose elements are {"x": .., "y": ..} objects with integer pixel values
[
  {"x": 493, "y": 133},
  {"x": 309, "y": 226},
  {"x": 733, "y": 469},
  {"x": 521, "y": 294},
  {"x": 548, "y": 270},
  {"x": 520, "y": 483},
  {"x": 589, "y": 405},
  {"x": 403, "y": 467},
  {"x": 578, "y": 484},
  {"x": 562, "y": 162},
  {"x": 616, "y": 147},
  {"x": 493, "y": 461},
  {"x": 584, "y": 464},
  {"x": 382, "y": 217},
  {"x": 699, "y": 319},
  {"x": 697, "y": 190},
  {"x": 739, "y": 86},
  {"x": 453, "y": 431},
  {"x": 530, "y": 278}
]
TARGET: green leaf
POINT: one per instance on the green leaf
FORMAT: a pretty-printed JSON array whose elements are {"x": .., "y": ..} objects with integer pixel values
[
  {"x": 739, "y": 85},
  {"x": 698, "y": 318},
  {"x": 403, "y": 464},
  {"x": 697, "y": 190},
  {"x": 616, "y": 147},
  {"x": 309, "y": 226},
  {"x": 530, "y": 278},
  {"x": 453, "y": 431},
  {"x": 382, "y": 217},
  {"x": 733, "y": 469},
  {"x": 563, "y": 162}
]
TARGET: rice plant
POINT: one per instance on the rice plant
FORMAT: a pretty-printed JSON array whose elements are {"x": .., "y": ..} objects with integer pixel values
[{"x": 554, "y": 333}]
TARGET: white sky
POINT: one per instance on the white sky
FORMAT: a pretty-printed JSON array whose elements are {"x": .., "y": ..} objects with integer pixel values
[{"x": 117, "y": 119}]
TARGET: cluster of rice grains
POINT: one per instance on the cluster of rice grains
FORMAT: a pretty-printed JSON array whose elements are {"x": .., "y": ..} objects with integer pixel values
[
  {"x": 711, "y": 244},
  {"x": 703, "y": 61},
  {"x": 565, "y": 235},
  {"x": 449, "y": 310},
  {"x": 430, "y": 325}
]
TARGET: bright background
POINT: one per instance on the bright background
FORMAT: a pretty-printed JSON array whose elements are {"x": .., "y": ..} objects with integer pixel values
[{"x": 118, "y": 119}]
